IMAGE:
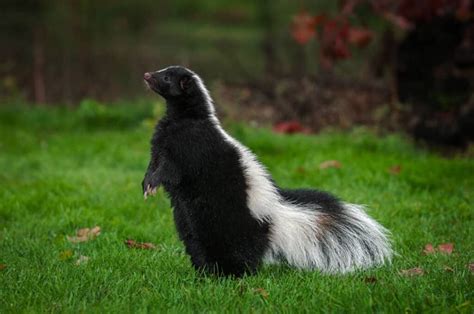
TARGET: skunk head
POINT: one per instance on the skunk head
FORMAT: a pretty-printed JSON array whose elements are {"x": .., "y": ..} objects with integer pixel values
[
  {"x": 184, "y": 91},
  {"x": 173, "y": 83}
]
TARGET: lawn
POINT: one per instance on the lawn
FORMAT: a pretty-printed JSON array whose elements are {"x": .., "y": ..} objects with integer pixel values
[{"x": 62, "y": 170}]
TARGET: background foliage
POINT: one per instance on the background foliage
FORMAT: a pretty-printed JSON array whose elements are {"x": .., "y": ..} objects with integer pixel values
[{"x": 288, "y": 60}]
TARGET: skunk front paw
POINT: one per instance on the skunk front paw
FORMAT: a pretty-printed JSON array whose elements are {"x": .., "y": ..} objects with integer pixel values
[{"x": 149, "y": 185}]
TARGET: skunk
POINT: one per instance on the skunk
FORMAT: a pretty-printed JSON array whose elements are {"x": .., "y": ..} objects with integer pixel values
[{"x": 229, "y": 212}]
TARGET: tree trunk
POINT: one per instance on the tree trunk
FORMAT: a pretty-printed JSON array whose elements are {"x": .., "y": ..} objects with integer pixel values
[{"x": 38, "y": 66}]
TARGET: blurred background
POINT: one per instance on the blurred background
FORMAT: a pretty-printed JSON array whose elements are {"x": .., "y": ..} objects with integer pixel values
[{"x": 300, "y": 66}]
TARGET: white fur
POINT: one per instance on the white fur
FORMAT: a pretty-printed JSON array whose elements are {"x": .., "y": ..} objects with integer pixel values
[{"x": 298, "y": 233}]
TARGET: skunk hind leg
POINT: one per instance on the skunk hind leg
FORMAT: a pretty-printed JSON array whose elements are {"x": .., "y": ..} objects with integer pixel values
[{"x": 233, "y": 261}]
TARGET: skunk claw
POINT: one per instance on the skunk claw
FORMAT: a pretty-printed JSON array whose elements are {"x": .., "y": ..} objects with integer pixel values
[{"x": 149, "y": 191}]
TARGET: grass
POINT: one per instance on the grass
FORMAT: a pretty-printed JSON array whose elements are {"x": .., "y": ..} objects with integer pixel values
[{"x": 62, "y": 170}]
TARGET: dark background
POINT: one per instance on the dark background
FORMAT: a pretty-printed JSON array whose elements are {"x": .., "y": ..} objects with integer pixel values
[{"x": 414, "y": 74}]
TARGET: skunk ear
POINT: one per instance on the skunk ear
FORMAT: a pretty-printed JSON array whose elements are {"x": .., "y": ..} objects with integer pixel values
[{"x": 185, "y": 82}]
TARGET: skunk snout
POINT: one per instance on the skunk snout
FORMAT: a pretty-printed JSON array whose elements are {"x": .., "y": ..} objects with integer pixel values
[
  {"x": 152, "y": 82},
  {"x": 149, "y": 78}
]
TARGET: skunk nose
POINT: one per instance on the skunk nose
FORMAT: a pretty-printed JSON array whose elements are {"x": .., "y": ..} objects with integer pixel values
[{"x": 147, "y": 76}]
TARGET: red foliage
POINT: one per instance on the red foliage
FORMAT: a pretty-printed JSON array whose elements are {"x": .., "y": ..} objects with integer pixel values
[
  {"x": 403, "y": 12},
  {"x": 334, "y": 41},
  {"x": 424, "y": 10},
  {"x": 303, "y": 27},
  {"x": 463, "y": 11},
  {"x": 360, "y": 37},
  {"x": 337, "y": 34}
]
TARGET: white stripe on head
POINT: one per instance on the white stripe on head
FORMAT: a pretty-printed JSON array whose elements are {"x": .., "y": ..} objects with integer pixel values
[{"x": 205, "y": 92}]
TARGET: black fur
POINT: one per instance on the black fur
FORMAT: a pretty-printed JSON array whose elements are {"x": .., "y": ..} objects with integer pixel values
[
  {"x": 202, "y": 175},
  {"x": 326, "y": 202}
]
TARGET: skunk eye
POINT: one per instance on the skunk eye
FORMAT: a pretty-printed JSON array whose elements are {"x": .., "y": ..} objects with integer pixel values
[{"x": 166, "y": 78}]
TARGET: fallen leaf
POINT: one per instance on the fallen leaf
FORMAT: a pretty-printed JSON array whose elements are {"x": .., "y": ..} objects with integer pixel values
[
  {"x": 301, "y": 170},
  {"x": 82, "y": 260},
  {"x": 470, "y": 266},
  {"x": 448, "y": 269},
  {"x": 330, "y": 164},
  {"x": 396, "y": 169},
  {"x": 84, "y": 234},
  {"x": 264, "y": 293},
  {"x": 446, "y": 248},
  {"x": 3, "y": 266},
  {"x": 65, "y": 255},
  {"x": 132, "y": 244},
  {"x": 370, "y": 279},
  {"x": 417, "y": 271},
  {"x": 462, "y": 306},
  {"x": 290, "y": 127},
  {"x": 429, "y": 249}
]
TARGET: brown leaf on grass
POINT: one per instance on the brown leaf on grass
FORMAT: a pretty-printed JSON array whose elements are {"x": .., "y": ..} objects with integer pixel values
[
  {"x": 429, "y": 249},
  {"x": 470, "y": 266},
  {"x": 301, "y": 170},
  {"x": 448, "y": 269},
  {"x": 3, "y": 266},
  {"x": 132, "y": 244},
  {"x": 264, "y": 293},
  {"x": 65, "y": 255},
  {"x": 446, "y": 248},
  {"x": 417, "y": 271},
  {"x": 290, "y": 127},
  {"x": 82, "y": 260},
  {"x": 370, "y": 279},
  {"x": 396, "y": 169},
  {"x": 84, "y": 234},
  {"x": 330, "y": 164}
]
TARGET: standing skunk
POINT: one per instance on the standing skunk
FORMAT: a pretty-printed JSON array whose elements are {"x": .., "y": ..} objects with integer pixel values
[{"x": 229, "y": 212}]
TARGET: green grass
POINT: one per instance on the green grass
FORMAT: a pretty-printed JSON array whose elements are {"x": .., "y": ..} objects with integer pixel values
[{"x": 62, "y": 170}]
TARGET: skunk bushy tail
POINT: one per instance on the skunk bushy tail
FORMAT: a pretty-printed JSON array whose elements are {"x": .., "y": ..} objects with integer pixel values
[
  {"x": 309, "y": 228},
  {"x": 317, "y": 231}
]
